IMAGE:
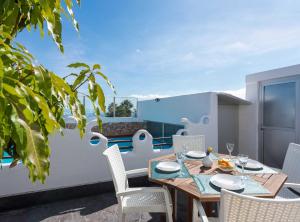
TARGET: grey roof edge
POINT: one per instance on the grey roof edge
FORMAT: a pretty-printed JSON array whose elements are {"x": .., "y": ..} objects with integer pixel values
[{"x": 231, "y": 99}]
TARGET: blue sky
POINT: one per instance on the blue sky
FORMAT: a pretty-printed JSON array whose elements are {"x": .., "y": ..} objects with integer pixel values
[{"x": 170, "y": 47}]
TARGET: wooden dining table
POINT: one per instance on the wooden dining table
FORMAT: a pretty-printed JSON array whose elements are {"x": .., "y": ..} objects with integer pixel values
[{"x": 272, "y": 182}]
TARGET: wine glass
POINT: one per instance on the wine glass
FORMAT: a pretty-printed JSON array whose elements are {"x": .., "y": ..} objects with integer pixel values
[
  {"x": 179, "y": 158},
  {"x": 243, "y": 160},
  {"x": 230, "y": 148},
  {"x": 184, "y": 148}
]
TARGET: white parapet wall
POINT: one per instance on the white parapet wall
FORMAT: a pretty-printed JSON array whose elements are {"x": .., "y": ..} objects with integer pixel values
[{"x": 75, "y": 161}]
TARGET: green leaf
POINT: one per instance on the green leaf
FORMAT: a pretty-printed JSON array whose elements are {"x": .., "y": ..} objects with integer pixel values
[
  {"x": 33, "y": 99},
  {"x": 101, "y": 98},
  {"x": 1, "y": 76},
  {"x": 96, "y": 66},
  {"x": 2, "y": 143},
  {"x": 50, "y": 123},
  {"x": 107, "y": 80},
  {"x": 14, "y": 163},
  {"x": 78, "y": 64},
  {"x": 35, "y": 153},
  {"x": 80, "y": 79}
]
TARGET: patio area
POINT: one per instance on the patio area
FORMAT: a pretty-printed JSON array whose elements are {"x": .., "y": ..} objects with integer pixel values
[{"x": 101, "y": 207}]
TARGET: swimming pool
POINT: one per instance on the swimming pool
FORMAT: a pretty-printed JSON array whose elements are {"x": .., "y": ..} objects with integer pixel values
[
  {"x": 125, "y": 142},
  {"x": 6, "y": 159}
]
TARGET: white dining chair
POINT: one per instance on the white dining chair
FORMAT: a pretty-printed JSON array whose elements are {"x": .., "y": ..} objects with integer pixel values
[
  {"x": 291, "y": 167},
  {"x": 236, "y": 207},
  {"x": 135, "y": 200},
  {"x": 195, "y": 142}
]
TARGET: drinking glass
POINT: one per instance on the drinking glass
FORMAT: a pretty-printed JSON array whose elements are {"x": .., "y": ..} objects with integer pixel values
[
  {"x": 184, "y": 148},
  {"x": 179, "y": 158},
  {"x": 230, "y": 148},
  {"x": 243, "y": 159}
]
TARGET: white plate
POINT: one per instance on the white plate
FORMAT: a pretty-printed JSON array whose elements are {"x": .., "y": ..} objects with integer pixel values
[
  {"x": 227, "y": 181},
  {"x": 168, "y": 166},
  {"x": 251, "y": 165},
  {"x": 196, "y": 154},
  {"x": 226, "y": 169}
]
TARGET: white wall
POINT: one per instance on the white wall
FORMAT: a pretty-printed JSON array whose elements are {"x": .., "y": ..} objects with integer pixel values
[
  {"x": 75, "y": 161},
  {"x": 228, "y": 127},
  {"x": 193, "y": 107},
  {"x": 249, "y": 115},
  {"x": 172, "y": 109}
]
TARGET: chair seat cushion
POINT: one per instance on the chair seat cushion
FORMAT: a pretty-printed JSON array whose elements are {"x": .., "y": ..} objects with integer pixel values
[{"x": 144, "y": 202}]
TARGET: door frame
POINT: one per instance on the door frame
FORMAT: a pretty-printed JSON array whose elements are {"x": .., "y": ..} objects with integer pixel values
[{"x": 262, "y": 84}]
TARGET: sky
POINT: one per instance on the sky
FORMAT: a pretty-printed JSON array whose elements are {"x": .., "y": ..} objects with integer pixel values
[{"x": 160, "y": 48}]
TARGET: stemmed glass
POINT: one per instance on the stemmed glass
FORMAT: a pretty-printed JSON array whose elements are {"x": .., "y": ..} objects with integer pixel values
[
  {"x": 230, "y": 148},
  {"x": 243, "y": 160},
  {"x": 184, "y": 148},
  {"x": 179, "y": 158}
]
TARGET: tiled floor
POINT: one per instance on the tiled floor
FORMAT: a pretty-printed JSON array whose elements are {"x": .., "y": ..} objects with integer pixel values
[{"x": 94, "y": 208}]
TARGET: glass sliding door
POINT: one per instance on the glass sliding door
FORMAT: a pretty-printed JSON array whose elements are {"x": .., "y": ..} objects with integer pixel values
[{"x": 279, "y": 119}]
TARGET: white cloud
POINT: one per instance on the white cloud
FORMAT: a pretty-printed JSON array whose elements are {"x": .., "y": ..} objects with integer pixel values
[
  {"x": 149, "y": 96},
  {"x": 187, "y": 49}
]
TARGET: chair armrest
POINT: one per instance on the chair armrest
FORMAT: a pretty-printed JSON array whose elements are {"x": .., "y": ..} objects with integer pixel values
[
  {"x": 137, "y": 171},
  {"x": 292, "y": 185},
  {"x": 201, "y": 211},
  {"x": 136, "y": 190}
]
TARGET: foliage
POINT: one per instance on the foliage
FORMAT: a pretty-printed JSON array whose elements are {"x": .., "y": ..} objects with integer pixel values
[
  {"x": 32, "y": 98},
  {"x": 122, "y": 110}
]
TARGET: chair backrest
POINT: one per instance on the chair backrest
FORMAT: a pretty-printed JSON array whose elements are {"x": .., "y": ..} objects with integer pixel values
[
  {"x": 240, "y": 208},
  {"x": 195, "y": 142},
  {"x": 117, "y": 168},
  {"x": 291, "y": 164}
]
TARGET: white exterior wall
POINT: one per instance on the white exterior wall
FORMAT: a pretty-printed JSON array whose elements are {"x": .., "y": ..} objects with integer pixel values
[
  {"x": 249, "y": 124},
  {"x": 193, "y": 107},
  {"x": 75, "y": 161}
]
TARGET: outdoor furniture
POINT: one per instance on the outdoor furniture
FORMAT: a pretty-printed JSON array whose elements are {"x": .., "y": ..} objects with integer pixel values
[
  {"x": 236, "y": 207},
  {"x": 135, "y": 200},
  {"x": 192, "y": 143},
  {"x": 272, "y": 182},
  {"x": 291, "y": 167}
]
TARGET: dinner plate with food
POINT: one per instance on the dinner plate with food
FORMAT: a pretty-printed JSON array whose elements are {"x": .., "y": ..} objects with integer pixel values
[{"x": 225, "y": 165}]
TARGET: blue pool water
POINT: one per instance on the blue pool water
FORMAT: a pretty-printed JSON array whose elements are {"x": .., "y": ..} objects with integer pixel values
[
  {"x": 125, "y": 143},
  {"x": 6, "y": 158}
]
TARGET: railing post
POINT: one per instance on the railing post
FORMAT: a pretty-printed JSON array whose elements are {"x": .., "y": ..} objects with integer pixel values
[{"x": 114, "y": 106}]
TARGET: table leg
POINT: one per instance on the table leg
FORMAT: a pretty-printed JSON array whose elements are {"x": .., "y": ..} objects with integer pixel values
[
  {"x": 208, "y": 207},
  {"x": 189, "y": 209}
]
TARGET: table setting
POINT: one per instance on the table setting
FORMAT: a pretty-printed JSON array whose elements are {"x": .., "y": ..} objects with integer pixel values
[
  {"x": 202, "y": 175},
  {"x": 219, "y": 171}
]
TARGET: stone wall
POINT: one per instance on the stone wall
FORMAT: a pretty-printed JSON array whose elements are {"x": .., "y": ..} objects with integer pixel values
[{"x": 120, "y": 128}]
